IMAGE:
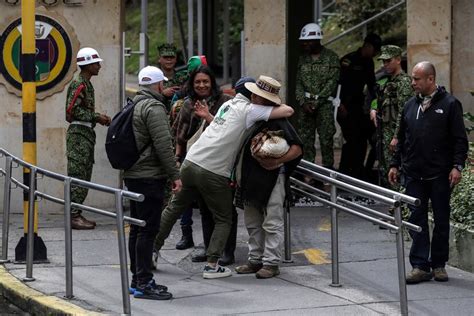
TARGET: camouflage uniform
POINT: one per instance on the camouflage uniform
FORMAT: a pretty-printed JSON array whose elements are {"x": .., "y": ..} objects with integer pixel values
[
  {"x": 392, "y": 94},
  {"x": 80, "y": 139},
  {"x": 319, "y": 78},
  {"x": 178, "y": 78}
]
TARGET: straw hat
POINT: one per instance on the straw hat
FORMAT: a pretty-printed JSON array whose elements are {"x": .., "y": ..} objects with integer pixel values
[{"x": 266, "y": 87}]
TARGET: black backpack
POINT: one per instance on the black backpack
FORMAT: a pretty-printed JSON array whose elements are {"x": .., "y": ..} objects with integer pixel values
[{"x": 120, "y": 143}]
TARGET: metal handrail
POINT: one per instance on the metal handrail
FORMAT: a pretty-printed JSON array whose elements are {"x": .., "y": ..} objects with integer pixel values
[
  {"x": 337, "y": 180},
  {"x": 33, "y": 192},
  {"x": 361, "y": 24}
]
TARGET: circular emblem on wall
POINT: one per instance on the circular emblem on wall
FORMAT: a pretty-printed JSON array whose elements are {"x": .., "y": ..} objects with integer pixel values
[{"x": 55, "y": 63}]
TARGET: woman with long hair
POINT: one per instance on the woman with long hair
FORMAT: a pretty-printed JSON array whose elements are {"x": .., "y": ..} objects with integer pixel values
[{"x": 201, "y": 87}]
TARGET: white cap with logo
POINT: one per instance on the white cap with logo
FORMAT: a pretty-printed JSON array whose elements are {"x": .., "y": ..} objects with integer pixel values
[{"x": 150, "y": 75}]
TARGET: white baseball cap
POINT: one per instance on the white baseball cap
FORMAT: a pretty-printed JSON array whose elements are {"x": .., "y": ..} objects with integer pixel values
[{"x": 150, "y": 75}]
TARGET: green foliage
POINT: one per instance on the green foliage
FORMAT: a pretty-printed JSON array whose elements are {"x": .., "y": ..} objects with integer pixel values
[
  {"x": 462, "y": 198},
  {"x": 156, "y": 31},
  {"x": 470, "y": 118},
  {"x": 353, "y": 12},
  {"x": 394, "y": 34},
  {"x": 157, "y": 28}
]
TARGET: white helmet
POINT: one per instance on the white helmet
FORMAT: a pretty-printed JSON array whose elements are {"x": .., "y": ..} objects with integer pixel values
[
  {"x": 87, "y": 56},
  {"x": 311, "y": 31}
]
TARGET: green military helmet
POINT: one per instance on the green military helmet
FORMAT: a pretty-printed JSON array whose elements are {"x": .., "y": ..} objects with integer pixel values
[
  {"x": 389, "y": 51},
  {"x": 167, "y": 50}
]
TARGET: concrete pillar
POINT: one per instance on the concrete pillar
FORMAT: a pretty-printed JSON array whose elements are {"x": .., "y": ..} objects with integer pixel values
[
  {"x": 429, "y": 36},
  {"x": 265, "y": 39},
  {"x": 462, "y": 74}
]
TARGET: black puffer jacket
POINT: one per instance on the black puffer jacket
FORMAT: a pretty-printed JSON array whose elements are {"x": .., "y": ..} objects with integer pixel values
[{"x": 430, "y": 143}]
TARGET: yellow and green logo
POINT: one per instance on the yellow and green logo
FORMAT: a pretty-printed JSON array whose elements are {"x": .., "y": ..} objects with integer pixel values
[{"x": 54, "y": 55}]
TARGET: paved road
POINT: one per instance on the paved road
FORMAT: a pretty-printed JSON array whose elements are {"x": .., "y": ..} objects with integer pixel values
[{"x": 368, "y": 273}]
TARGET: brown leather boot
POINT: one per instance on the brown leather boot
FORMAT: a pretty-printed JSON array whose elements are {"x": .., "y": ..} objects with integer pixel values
[
  {"x": 93, "y": 223},
  {"x": 79, "y": 222}
]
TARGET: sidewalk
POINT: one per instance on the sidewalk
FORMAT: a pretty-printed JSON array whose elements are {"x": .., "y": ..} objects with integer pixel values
[{"x": 368, "y": 274}]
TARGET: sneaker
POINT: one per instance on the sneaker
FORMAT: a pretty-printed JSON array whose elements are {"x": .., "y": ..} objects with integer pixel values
[
  {"x": 215, "y": 273},
  {"x": 248, "y": 268},
  {"x": 159, "y": 287},
  {"x": 417, "y": 275},
  {"x": 267, "y": 271},
  {"x": 132, "y": 288},
  {"x": 440, "y": 274},
  {"x": 152, "y": 292}
]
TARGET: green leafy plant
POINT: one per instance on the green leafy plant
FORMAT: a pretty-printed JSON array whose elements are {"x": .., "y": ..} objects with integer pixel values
[{"x": 462, "y": 198}]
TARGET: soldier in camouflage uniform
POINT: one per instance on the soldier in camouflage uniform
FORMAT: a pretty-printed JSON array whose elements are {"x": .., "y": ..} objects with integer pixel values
[
  {"x": 167, "y": 61},
  {"x": 80, "y": 137},
  {"x": 316, "y": 82},
  {"x": 391, "y": 97}
]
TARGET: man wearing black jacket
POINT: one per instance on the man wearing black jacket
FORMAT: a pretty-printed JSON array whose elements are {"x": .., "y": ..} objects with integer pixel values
[
  {"x": 431, "y": 151},
  {"x": 357, "y": 71},
  {"x": 263, "y": 185}
]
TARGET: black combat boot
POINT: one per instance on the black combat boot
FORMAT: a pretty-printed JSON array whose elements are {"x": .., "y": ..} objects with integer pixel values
[{"x": 187, "y": 238}]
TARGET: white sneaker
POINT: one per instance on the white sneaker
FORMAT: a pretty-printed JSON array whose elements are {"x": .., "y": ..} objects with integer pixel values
[{"x": 215, "y": 273}]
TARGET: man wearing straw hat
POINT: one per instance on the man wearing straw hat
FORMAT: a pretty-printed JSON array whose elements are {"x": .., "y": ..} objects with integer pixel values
[
  {"x": 206, "y": 171},
  {"x": 264, "y": 172}
]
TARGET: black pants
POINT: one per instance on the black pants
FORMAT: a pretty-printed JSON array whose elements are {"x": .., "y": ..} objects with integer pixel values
[
  {"x": 355, "y": 129},
  {"x": 140, "y": 243},
  {"x": 423, "y": 256}
]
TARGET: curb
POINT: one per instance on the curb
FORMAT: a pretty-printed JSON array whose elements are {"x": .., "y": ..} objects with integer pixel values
[{"x": 35, "y": 302}]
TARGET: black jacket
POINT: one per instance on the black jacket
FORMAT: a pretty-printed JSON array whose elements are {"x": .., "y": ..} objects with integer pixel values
[
  {"x": 257, "y": 183},
  {"x": 356, "y": 72},
  {"x": 430, "y": 143}
]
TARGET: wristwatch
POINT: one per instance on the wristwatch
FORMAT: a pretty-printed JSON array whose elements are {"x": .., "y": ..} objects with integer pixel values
[{"x": 458, "y": 167}]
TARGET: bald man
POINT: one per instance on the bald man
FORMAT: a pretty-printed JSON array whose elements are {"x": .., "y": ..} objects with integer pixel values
[{"x": 431, "y": 152}]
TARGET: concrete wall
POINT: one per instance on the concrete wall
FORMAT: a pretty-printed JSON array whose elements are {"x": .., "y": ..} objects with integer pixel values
[
  {"x": 93, "y": 30},
  {"x": 429, "y": 36},
  {"x": 265, "y": 39},
  {"x": 441, "y": 31},
  {"x": 462, "y": 74}
]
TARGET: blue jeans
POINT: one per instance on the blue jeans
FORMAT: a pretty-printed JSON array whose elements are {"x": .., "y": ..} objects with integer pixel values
[
  {"x": 439, "y": 192},
  {"x": 140, "y": 242}
]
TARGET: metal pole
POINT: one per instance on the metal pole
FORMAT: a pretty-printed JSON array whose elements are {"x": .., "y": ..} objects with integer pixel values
[
  {"x": 225, "y": 46},
  {"x": 199, "y": 27},
  {"x": 143, "y": 34},
  {"x": 169, "y": 21},
  {"x": 68, "y": 237},
  {"x": 122, "y": 254},
  {"x": 401, "y": 261},
  {"x": 317, "y": 11},
  {"x": 190, "y": 29},
  {"x": 6, "y": 208},
  {"x": 122, "y": 73},
  {"x": 181, "y": 30},
  {"x": 143, "y": 50},
  {"x": 31, "y": 224},
  {"x": 287, "y": 226},
  {"x": 242, "y": 53},
  {"x": 334, "y": 238}
]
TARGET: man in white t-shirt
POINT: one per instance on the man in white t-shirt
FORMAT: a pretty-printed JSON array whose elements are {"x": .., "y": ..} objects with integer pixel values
[{"x": 207, "y": 168}]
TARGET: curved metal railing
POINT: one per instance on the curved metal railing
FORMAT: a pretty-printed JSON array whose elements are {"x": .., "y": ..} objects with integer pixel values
[
  {"x": 338, "y": 181},
  {"x": 33, "y": 192}
]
